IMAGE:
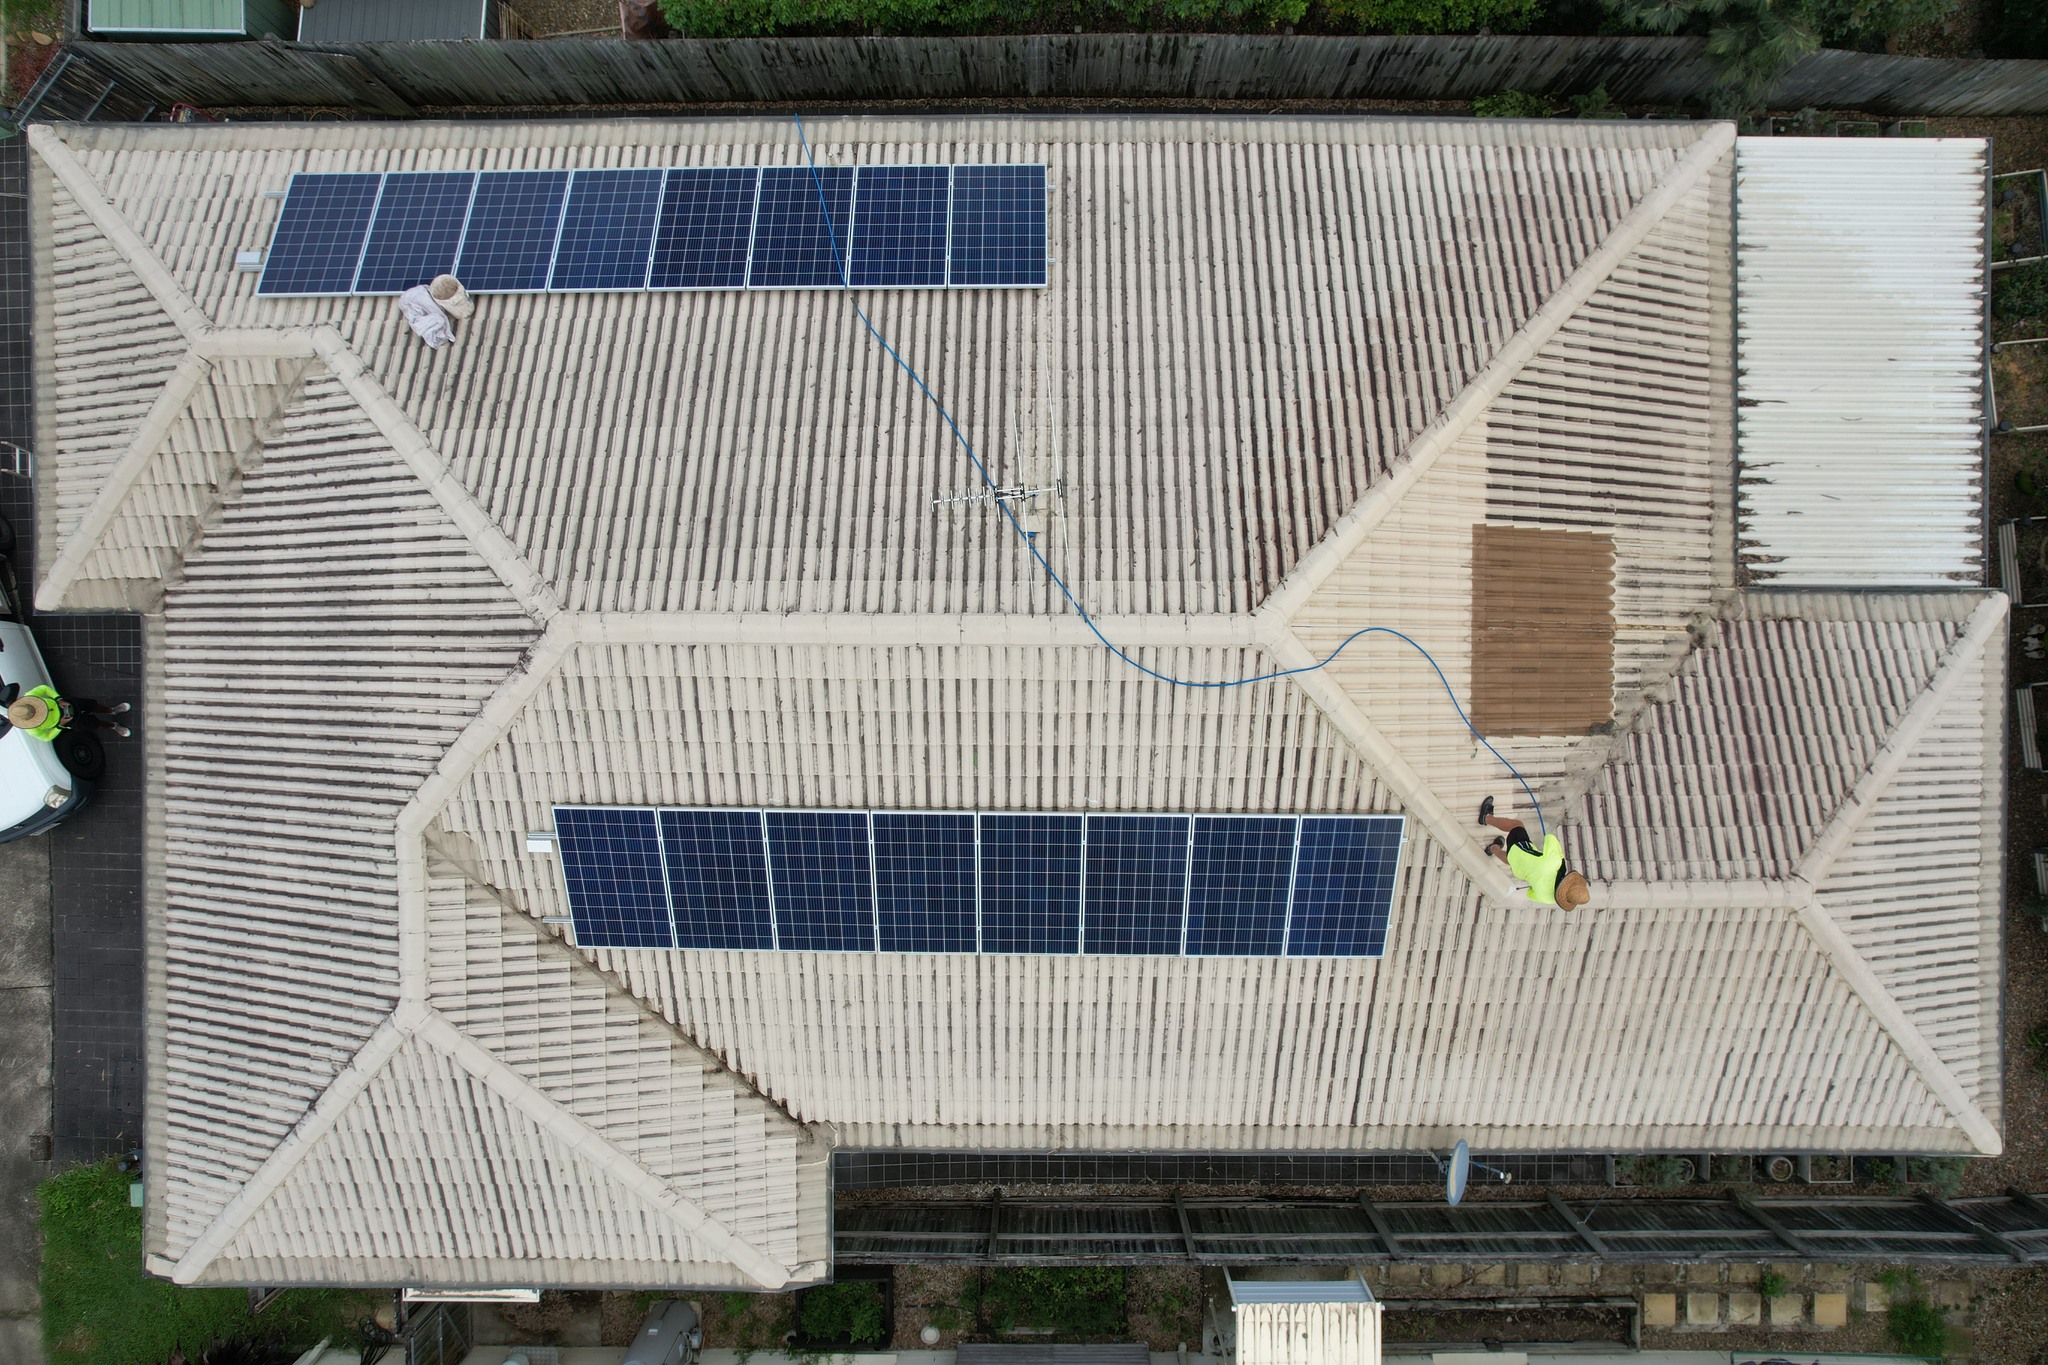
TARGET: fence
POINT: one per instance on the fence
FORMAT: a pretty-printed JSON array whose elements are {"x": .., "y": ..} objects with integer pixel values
[
  {"x": 409, "y": 79},
  {"x": 2004, "y": 1229}
]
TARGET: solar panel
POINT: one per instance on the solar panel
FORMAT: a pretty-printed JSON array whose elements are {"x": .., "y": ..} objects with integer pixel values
[
  {"x": 956, "y": 882},
  {"x": 998, "y": 226},
  {"x": 416, "y": 231},
  {"x": 1030, "y": 883},
  {"x": 706, "y": 229},
  {"x": 1344, "y": 886},
  {"x": 513, "y": 221},
  {"x": 795, "y": 245},
  {"x": 824, "y": 889},
  {"x": 618, "y": 893},
  {"x": 718, "y": 878},
  {"x": 318, "y": 242},
  {"x": 899, "y": 227},
  {"x": 734, "y": 227},
  {"x": 1137, "y": 883},
  {"x": 607, "y": 230},
  {"x": 925, "y": 883},
  {"x": 1239, "y": 871}
]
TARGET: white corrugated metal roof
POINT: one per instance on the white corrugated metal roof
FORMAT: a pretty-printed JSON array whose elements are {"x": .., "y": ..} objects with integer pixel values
[
  {"x": 679, "y": 549},
  {"x": 1861, "y": 278},
  {"x": 1308, "y": 1333}
]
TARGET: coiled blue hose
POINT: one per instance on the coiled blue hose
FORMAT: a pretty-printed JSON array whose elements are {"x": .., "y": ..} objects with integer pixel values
[{"x": 1031, "y": 545}]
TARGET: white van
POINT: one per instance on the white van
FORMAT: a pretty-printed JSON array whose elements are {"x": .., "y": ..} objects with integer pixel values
[{"x": 41, "y": 783}]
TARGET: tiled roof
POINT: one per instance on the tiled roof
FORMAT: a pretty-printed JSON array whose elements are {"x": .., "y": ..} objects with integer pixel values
[{"x": 681, "y": 549}]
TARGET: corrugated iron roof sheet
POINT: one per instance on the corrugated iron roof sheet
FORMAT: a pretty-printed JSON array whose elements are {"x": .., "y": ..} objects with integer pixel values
[{"x": 1861, "y": 279}]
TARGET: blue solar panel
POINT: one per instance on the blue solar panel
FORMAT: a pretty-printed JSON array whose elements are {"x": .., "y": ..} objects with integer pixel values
[
  {"x": 794, "y": 245},
  {"x": 607, "y": 230},
  {"x": 512, "y": 225},
  {"x": 824, "y": 893},
  {"x": 319, "y": 238},
  {"x": 1137, "y": 883},
  {"x": 1344, "y": 886},
  {"x": 998, "y": 225},
  {"x": 1237, "y": 884},
  {"x": 1030, "y": 883},
  {"x": 707, "y": 225},
  {"x": 931, "y": 882},
  {"x": 611, "y": 860},
  {"x": 925, "y": 883},
  {"x": 416, "y": 231},
  {"x": 718, "y": 878},
  {"x": 899, "y": 227}
]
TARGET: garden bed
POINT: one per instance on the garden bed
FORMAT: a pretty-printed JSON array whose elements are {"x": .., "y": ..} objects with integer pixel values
[{"x": 1450, "y": 1324}]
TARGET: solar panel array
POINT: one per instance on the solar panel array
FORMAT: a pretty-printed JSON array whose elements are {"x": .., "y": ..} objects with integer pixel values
[
  {"x": 727, "y": 227},
  {"x": 958, "y": 882}
]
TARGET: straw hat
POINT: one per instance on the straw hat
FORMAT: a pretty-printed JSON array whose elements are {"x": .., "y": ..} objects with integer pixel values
[
  {"x": 28, "y": 712},
  {"x": 1572, "y": 891}
]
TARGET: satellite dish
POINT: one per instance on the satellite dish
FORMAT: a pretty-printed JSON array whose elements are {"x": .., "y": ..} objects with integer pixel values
[{"x": 1457, "y": 1173}]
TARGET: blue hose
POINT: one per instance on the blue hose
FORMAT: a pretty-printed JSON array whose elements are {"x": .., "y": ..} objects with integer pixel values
[{"x": 1031, "y": 545}]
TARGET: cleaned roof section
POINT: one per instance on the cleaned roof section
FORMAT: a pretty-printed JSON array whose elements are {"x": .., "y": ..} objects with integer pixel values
[{"x": 1860, "y": 310}]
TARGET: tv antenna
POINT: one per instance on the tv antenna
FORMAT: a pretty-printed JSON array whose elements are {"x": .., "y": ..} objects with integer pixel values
[
  {"x": 1058, "y": 489},
  {"x": 1457, "y": 1172}
]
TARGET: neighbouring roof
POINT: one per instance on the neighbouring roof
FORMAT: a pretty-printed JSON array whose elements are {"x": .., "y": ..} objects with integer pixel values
[{"x": 680, "y": 549}]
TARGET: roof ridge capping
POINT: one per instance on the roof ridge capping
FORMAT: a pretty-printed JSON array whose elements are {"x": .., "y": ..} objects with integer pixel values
[
  {"x": 414, "y": 1022},
  {"x": 1716, "y": 141}
]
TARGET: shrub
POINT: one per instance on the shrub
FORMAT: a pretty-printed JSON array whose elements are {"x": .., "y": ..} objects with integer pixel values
[
  {"x": 1084, "y": 1301},
  {"x": 762, "y": 18},
  {"x": 1597, "y": 105},
  {"x": 1943, "y": 1174},
  {"x": 1511, "y": 104},
  {"x": 1754, "y": 42},
  {"x": 1917, "y": 1328},
  {"x": 2021, "y": 292},
  {"x": 1436, "y": 16},
  {"x": 1772, "y": 1285},
  {"x": 849, "y": 1312}
]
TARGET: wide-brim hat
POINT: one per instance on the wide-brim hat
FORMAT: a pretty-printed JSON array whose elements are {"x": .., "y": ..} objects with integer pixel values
[
  {"x": 1572, "y": 891},
  {"x": 28, "y": 712}
]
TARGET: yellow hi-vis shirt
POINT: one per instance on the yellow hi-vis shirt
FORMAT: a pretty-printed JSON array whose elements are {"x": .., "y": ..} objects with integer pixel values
[{"x": 1539, "y": 869}]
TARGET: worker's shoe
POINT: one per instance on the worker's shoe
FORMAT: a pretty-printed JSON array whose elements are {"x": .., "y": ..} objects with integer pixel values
[
  {"x": 119, "y": 707},
  {"x": 1496, "y": 844},
  {"x": 121, "y": 730},
  {"x": 1485, "y": 809}
]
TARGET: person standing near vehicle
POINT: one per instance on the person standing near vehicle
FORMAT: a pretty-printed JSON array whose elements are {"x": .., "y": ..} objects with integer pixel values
[{"x": 42, "y": 713}]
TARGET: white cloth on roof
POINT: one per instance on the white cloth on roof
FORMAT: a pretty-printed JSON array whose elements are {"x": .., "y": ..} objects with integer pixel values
[{"x": 426, "y": 316}]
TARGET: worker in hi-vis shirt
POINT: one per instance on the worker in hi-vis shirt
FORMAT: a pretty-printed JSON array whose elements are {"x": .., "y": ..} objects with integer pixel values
[{"x": 1550, "y": 881}]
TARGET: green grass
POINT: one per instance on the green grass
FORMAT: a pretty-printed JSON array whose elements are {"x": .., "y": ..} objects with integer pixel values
[{"x": 99, "y": 1308}]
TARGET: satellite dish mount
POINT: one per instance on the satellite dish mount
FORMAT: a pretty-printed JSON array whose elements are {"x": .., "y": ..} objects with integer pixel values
[{"x": 1457, "y": 1171}]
